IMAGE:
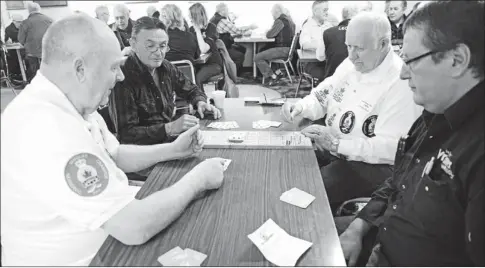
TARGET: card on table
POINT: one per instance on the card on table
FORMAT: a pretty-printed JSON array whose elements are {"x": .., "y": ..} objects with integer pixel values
[
  {"x": 297, "y": 197},
  {"x": 197, "y": 257},
  {"x": 179, "y": 257},
  {"x": 224, "y": 125},
  {"x": 262, "y": 124},
  {"x": 277, "y": 246}
]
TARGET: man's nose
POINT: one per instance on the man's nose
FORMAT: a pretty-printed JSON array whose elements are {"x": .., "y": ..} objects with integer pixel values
[{"x": 404, "y": 75}]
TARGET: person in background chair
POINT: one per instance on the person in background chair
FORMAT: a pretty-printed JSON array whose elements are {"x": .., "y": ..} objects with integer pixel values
[
  {"x": 283, "y": 31},
  {"x": 102, "y": 13},
  {"x": 332, "y": 47},
  {"x": 366, "y": 108},
  {"x": 206, "y": 34},
  {"x": 143, "y": 105},
  {"x": 431, "y": 212},
  {"x": 11, "y": 36},
  {"x": 30, "y": 36},
  {"x": 395, "y": 11},
  {"x": 153, "y": 12},
  {"x": 64, "y": 188},
  {"x": 312, "y": 35},
  {"x": 123, "y": 25}
]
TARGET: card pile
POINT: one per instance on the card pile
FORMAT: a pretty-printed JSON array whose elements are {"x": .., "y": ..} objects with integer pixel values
[
  {"x": 297, "y": 197},
  {"x": 180, "y": 257},
  {"x": 262, "y": 124},
  {"x": 277, "y": 246},
  {"x": 224, "y": 125}
]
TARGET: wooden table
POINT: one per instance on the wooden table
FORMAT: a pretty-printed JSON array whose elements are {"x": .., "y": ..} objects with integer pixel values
[
  {"x": 203, "y": 58},
  {"x": 307, "y": 55},
  {"x": 218, "y": 224},
  {"x": 18, "y": 47},
  {"x": 254, "y": 40}
]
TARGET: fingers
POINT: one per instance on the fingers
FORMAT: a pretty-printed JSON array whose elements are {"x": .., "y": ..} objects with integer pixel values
[
  {"x": 200, "y": 110},
  {"x": 189, "y": 121},
  {"x": 353, "y": 259},
  {"x": 286, "y": 111},
  {"x": 192, "y": 130},
  {"x": 297, "y": 109},
  {"x": 217, "y": 112}
]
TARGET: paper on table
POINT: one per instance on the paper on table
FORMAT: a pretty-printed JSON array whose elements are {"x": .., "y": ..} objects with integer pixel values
[
  {"x": 277, "y": 246},
  {"x": 297, "y": 197},
  {"x": 262, "y": 124},
  {"x": 195, "y": 256},
  {"x": 172, "y": 257},
  {"x": 224, "y": 125}
]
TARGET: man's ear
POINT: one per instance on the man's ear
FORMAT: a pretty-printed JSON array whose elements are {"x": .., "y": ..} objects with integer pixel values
[
  {"x": 132, "y": 44},
  {"x": 383, "y": 43},
  {"x": 461, "y": 56},
  {"x": 79, "y": 69}
]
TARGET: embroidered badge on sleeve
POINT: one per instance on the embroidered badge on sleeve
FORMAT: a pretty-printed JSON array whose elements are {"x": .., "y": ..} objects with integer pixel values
[
  {"x": 347, "y": 122},
  {"x": 369, "y": 126},
  {"x": 86, "y": 175}
]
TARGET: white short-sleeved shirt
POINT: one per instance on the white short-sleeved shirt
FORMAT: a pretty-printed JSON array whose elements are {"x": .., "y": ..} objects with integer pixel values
[{"x": 59, "y": 181}]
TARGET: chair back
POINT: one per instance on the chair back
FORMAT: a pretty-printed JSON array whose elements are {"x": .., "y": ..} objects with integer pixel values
[
  {"x": 295, "y": 40},
  {"x": 186, "y": 67}
]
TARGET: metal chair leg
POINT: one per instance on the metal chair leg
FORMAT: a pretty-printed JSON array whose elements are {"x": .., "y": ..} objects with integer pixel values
[
  {"x": 292, "y": 69},
  {"x": 288, "y": 72}
]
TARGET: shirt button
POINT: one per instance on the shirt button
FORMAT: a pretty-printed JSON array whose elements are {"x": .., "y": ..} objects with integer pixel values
[
  {"x": 430, "y": 137},
  {"x": 417, "y": 160},
  {"x": 385, "y": 229},
  {"x": 426, "y": 188},
  {"x": 404, "y": 186},
  {"x": 470, "y": 237},
  {"x": 394, "y": 207}
]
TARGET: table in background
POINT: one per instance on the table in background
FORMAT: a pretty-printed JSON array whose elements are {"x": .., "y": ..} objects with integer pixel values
[
  {"x": 18, "y": 47},
  {"x": 218, "y": 224},
  {"x": 254, "y": 40}
]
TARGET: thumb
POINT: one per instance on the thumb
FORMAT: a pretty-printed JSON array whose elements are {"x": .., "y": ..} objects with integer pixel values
[
  {"x": 192, "y": 130},
  {"x": 201, "y": 112},
  {"x": 353, "y": 259},
  {"x": 296, "y": 110}
]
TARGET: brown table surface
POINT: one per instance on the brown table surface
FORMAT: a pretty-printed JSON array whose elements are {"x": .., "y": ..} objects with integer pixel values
[{"x": 218, "y": 224}]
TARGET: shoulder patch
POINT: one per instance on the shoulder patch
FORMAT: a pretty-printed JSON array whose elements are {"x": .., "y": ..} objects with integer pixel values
[
  {"x": 369, "y": 125},
  {"x": 86, "y": 175},
  {"x": 347, "y": 122}
]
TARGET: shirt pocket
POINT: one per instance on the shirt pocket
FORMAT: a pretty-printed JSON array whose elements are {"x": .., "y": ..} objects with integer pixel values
[{"x": 436, "y": 206}]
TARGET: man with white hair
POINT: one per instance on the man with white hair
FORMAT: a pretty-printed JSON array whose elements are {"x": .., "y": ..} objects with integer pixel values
[
  {"x": 64, "y": 188},
  {"x": 227, "y": 31},
  {"x": 123, "y": 24},
  {"x": 312, "y": 35},
  {"x": 30, "y": 36},
  {"x": 366, "y": 108},
  {"x": 283, "y": 31},
  {"x": 153, "y": 12},
  {"x": 102, "y": 13},
  {"x": 332, "y": 48}
]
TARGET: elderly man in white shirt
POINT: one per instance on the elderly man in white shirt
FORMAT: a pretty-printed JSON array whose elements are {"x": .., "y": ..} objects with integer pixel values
[
  {"x": 312, "y": 34},
  {"x": 367, "y": 108},
  {"x": 64, "y": 188}
]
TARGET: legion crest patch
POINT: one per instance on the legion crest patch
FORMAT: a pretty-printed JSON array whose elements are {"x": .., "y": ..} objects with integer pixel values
[
  {"x": 347, "y": 122},
  {"x": 86, "y": 175},
  {"x": 369, "y": 125}
]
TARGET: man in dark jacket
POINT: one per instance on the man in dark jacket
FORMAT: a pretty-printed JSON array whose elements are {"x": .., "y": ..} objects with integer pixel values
[
  {"x": 11, "y": 35},
  {"x": 31, "y": 32},
  {"x": 396, "y": 13},
  {"x": 123, "y": 25},
  {"x": 282, "y": 31}
]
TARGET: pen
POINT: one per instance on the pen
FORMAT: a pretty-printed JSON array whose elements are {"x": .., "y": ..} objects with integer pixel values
[
  {"x": 265, "y": 100},
  {"x": 429, "y": 166}
]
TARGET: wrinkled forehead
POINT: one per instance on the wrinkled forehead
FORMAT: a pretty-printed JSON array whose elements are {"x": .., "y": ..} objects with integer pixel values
[
  {"x": 359, "y": 34},
  {"x": 120, "y": 13},
  {"x": 395, "y": 5}
]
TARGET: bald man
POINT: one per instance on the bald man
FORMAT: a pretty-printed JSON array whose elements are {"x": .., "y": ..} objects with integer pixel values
[
  {"x": 102, "y": 13},
  {"x": 30, "y": 36},
  {"x": 64, "y": 188},
  {"x": 123, "y": 24},
  {"x": 366, "y": 109}
]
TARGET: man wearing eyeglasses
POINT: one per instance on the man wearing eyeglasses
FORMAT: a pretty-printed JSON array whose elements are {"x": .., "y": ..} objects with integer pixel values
[
  {"x": 143, "y": 105},
  {"x": 365, "y": 108},
  {"x": 431, "y": 211}
]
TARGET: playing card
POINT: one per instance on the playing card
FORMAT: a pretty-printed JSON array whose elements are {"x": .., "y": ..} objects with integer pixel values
[
  {"x": 297, "y": 197},
  {"x": 226, "y": 163},
  {"x": 195, "y": 258},
  {"x": 224, "y": 125},
  {"x": 275, "y": 123},
  {"x": 172, "y": 257}
]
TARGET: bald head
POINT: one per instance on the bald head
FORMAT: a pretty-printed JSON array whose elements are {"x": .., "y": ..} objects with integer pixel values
[
  {"x": 374, "y": 25},
  {"x": 151, "y": 10},
  {"x": 33, "y": 7},
  {"x": 122, "y": 8},
  {"x": 61, "y": 45},
  {"x": 222, "y": 9}
]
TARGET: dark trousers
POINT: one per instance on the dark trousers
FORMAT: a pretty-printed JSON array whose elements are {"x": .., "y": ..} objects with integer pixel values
[
  {"x": 341, "y": 223},
  {"x": 33, "y": 64},
  {"x": 13, "y": 63},
  {"x": 315, "y": 69},
  {"x": 237, "y": 54},
  {"x": 205, "y": 72},
  {"x": 345, "y": 180}
]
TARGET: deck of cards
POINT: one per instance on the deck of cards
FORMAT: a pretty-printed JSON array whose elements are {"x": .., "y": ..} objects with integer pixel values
[
  {"x": 277, "y": 246},
  {"x": 180, "y": 257},
  {"x": 297, "y": 197},
  {"x": 224, "y": 125},
  {"x": 262, "y": 124}
]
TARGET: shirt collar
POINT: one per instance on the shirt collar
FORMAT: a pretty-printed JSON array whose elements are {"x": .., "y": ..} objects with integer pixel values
[
  {"x": 465, "y": 107},
  {"x": 50, "y": 92},
  {"x": 344, "y": 23}
]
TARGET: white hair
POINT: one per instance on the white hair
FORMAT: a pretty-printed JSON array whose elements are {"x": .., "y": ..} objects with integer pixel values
[
  {"x": 221, "y": 7},
  {"x": 122, "y": 8},
  {"x": 380, "y": 27},
  {"x": 349, "y": 11},
  {"x": 151, "y": 10},
  {"x": 99, "y": 8},
  {"x": 33, "y": 7},
  {"x": 280, "y": 9},
  {"x": 17, "y": 17}
]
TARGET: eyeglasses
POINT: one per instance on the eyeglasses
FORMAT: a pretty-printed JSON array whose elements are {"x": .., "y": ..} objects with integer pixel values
[
  {"x": 154, "y": 48},
  {"x": 408, "y": 61}
]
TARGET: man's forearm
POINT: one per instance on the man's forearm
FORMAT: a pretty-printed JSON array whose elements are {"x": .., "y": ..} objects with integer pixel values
[
  {"x": 359, "y": 226},
  {"x": 145, "y": 155},
  {"x": 142, "y": 219}
]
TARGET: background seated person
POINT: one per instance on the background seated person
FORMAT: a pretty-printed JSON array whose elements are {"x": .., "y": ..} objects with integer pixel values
[
  {"x": 395, "y": 11},
  {"x": 144, "y": 102},
  {"x": 206, "y": 34},
  {"x": 367, "y": 108},
  {"x": 282, "y": 31},
  {"x": 123, "y": 25}
]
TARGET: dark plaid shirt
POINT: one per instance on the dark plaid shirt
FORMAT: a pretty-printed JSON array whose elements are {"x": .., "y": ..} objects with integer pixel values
[
  {"x": 397, "y": 34},
  {"x": 435, "y": 218},
  {"x": 140, "y": 110}
]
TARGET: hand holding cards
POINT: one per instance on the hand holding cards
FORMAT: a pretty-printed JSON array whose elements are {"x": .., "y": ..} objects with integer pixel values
[{"x": 180, "y": 257}]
